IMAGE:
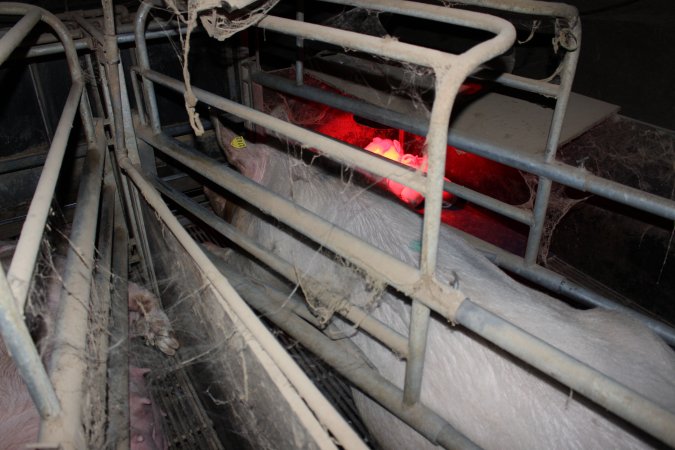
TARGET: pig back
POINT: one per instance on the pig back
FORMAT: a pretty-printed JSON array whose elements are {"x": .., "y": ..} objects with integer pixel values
[{"x": 494, "y": 399}]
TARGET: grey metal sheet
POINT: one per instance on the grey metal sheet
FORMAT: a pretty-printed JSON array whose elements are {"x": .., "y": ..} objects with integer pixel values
[{"x": 522, "y": 126}]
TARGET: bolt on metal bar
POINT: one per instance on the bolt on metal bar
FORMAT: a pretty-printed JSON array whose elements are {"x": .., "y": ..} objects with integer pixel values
[
  {"x": 372, "y": 326},
  {"x": 68, "y": 362},
  {"x": 11, "y": 40},
  {"x": 18, "y": 341},
  {"x": 594, "y": 385}
]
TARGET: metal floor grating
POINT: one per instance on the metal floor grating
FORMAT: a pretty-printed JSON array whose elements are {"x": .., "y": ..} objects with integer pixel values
[{"x": 334, "y": 387}]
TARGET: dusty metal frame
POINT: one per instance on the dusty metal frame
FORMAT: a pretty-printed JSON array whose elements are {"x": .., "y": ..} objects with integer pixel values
[
  {"x": 59, "y": 405},
  {"x": 451, "y": 70},
  {"x": 547, "y": 169}
]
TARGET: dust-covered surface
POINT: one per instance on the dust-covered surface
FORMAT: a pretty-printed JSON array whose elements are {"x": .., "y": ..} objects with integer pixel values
[{"x": 244, "y": 405}]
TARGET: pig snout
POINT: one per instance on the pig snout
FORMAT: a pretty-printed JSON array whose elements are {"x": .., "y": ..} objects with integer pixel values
[{"x": 493, "y": 399}]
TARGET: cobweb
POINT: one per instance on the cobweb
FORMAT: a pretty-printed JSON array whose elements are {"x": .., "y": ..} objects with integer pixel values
[{"x": 559, "y": 204}]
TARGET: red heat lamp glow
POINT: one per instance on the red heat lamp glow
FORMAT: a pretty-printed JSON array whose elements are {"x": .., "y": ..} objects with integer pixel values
[{"x": 392, "y": 149}]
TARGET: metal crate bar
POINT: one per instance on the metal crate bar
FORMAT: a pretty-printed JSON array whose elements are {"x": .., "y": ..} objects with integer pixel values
[
  {"x": 11, "y": 40},
  {"x": 16, "y": 338},
  {"x": 68, "y": 361},
  {"x": 299, "y": 380},
  {"x": 353, "y": 313},
  {"x": 559, "y": 284},
  {"x": 347, "y": 359},
  {"x": 14, "y": 288},
  {"x": 21, "y": 269},
  {"x": 393, "y": 119},
  {"x": 342, "y": 152},
  {"x": 528, "y": 347}
]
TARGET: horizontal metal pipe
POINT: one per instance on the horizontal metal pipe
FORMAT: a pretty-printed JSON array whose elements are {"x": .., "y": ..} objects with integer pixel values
[
  {"x": 396, "y": 120},
  {"x": 299, "y": 380},
  {"x": 450, "y": 16},
  {"x": 388, "y": 48},
  {"x": 69, "y": 360},
  {"x": 528, "y": 7},
  {"x": 362, "y": 319},
  {"x": 556, "y": 171},
  {"x": 342, "y": 152},
  {"x": 559, "y": 284},
  {"x": 594, "y": 385},
  {"x": 21, "y": 269},
  {"x": 11, "y": 8},
  {"x": 11, "y": 40},
  {"x": 379, "y": 264},
  {"x": 527, "y": 84},
  {"x": 18, "y": 341},
  {"x": 350, "y": 363},
  {"x": 85, "y": 43}
]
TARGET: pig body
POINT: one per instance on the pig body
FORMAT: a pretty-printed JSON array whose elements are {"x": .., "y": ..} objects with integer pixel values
[
  {"x": 495, "y": 400},
  {"x": 19, "y": 419}
]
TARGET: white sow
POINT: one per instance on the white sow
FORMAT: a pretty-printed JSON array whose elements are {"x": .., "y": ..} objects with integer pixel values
[{"x": 494, "y": 399}]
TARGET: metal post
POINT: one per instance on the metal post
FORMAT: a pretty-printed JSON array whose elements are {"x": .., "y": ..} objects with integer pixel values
[
  {"x": 144, "y": 62},
  {"x": 69, "y": 360},
  {"x": 118, "y": 363}
]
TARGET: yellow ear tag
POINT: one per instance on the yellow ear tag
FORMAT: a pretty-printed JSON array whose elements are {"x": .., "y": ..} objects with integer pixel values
[{"x": 238, "y": 142}]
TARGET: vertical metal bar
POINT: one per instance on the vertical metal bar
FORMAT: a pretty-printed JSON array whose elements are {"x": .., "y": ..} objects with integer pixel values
[
  {"x": 40, "y": 97},
  {"x": 20, "y": 345},
  {"x": 21, "y": 270},
  {"x": 300, "y": 43},
  {"x": 147, "y": 157},
  {"x": 69, "y": 360},
  {"x": 417, "y": 345},
  {"x": 140, "y": 106},
  {"x": 11, "y": 40},
  {"x": 93, "y": 82},
  {"x": 447, "y": 86},
  {"x": 544, "y": 189},
  {"x": 87, "y": 119},
  {"x": 144, "y": 62},
  {"x": 100, "y": 308},
  {"x": 118, "y": 363}
]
